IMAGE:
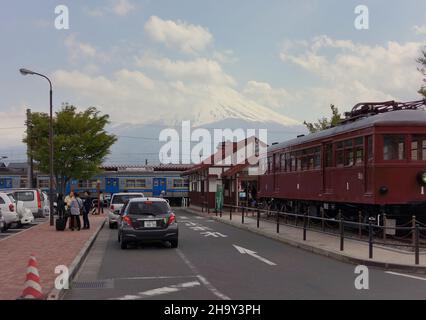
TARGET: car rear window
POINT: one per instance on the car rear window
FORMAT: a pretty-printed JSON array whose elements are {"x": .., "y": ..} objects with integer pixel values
[
  {"x": 120, "y": 199},
  {"x": 24, "y": 196},
  {"x": 148, "y": 208},
  {"x": 11, "y": 197}
]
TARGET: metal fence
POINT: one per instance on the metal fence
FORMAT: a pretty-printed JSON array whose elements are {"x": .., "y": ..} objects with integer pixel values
[{"x": 370, "y": 232}]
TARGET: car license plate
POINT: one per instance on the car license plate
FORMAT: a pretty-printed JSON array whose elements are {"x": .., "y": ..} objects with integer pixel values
[{"x": 150, "y": 224}]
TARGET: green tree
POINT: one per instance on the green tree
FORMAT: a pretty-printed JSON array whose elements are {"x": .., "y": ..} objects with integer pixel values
[
  {"x": 422, "y": 69},
  {"x": 325, "y": 123},
  {"x": 80, "y": 143}
]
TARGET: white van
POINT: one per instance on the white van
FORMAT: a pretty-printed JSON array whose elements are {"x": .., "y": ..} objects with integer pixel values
[
  {"x": 32, "y": 198},
  {"x": 117, "y": 202}
]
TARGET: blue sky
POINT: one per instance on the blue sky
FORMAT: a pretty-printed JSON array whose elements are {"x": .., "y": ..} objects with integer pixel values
[{"x": 148, "y": 61}]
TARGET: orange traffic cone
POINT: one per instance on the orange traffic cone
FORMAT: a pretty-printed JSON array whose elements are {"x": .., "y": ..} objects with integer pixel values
[{"x": 32, "y": 290}]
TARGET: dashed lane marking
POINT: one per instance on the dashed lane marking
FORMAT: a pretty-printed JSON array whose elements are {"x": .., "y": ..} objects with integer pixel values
[{"x": 203, "y": 280}]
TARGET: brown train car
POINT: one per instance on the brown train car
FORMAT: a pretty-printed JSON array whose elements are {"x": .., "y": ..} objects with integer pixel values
[{"x": 375, "y": 162}]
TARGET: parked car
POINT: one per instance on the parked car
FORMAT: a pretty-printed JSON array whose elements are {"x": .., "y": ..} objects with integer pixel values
[
  {"x": 2, "y": 222},
  {"x": 117, "y": 202},
  {"x": 8, "y": 210},
  {"x": 147, "y": 219},
  {"x": 32, "y": 198},
  {"x": 46, "y": 204}
]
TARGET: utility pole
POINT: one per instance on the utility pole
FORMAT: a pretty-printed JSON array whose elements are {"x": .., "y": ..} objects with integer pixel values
[{"x": 30, "y": 176}]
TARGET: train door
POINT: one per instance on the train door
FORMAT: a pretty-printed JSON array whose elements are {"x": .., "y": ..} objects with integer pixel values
[
  {"x": 6, "y": 183},
  {"x": 160, "y": 184},
  {"x": 112, "y": 185}
]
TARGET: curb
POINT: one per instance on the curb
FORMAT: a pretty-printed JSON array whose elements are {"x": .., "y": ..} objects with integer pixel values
[
  {"x": 316, "y": 250},
  {"x": 56, "y": 294}
]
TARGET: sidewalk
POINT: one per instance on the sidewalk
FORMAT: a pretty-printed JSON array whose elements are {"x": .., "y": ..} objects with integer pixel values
[
  {"x": 324, "y": 244},
  {"x": 50, "y": 247}
]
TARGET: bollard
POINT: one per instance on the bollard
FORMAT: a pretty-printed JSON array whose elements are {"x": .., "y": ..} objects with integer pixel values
[
  {"x": 417, "y": 247},
  {"x": 322, "y": 219},
  {"x": 242, "y": 216},
  {"x": 413, "y": 225},
  {"x": 384, "y": 227},
  {"x": 278, "y": 222},
  {"x": 342, "y": 235},
  {"x": 360, "y": 224},
  {"x": 230, "y": 213},
  {"x": 370, "y": 240},
  {"x": 304, "y": 226},
  {"x": 258, "y": 218}
]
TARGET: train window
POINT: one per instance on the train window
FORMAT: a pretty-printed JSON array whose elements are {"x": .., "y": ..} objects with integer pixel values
[
  {"x": 270, "y": 164},
  {"x": 43, "y": 184},
  {"x": 370, "y": 148},
  {"x": 393, "y": 147},
  {"x": 287, "y": 162},
  {"x": 340, "y": 154},
  {"x": 180, "y": 183},
  {"x": 328, "y": 155},
  {"x": 359, "y": 150},
  {"x": 317, "y": 158},
  {"x": 293, "y": 162},
  {"x": 130, "y": 183},
  {"x": 277, "y": 164},
  {"x": 283, "y": 164},
  {"x": 349, "y": 153},
  {"x": 418, "y": 148}
]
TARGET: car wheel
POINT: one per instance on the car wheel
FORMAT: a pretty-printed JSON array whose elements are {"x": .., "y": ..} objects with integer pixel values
[
  {"x": 19, "y": 224},
  {"x": 123, "y": 245},
  {"x": 111, "y": 225},
  {"x": 174, "y": 243},
  {"x": 5, "y": 227}
]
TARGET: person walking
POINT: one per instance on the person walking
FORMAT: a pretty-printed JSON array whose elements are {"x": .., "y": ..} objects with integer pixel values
[
  {"x": 75, "y": 213},
  {"x": 87, "y": 206},
  {"x": 101, "y": 200},
  {"x": 67, "y": 201}
]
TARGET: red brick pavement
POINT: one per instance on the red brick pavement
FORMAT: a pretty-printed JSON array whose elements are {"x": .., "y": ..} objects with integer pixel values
[{"x": 51, "y": 249}]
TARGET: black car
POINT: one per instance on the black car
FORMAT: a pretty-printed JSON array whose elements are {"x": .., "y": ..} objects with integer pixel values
[{"x": 147, "y": 220}]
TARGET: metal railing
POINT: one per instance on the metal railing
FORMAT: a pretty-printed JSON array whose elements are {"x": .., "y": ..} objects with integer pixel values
[{"x": 339, "y": 227}]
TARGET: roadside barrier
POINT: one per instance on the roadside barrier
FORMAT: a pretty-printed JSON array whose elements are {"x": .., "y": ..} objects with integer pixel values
[{"x": 367, "y": 231}]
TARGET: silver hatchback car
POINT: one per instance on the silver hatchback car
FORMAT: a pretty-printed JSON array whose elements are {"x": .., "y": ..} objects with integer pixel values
[{"x": 147, "y": 220}]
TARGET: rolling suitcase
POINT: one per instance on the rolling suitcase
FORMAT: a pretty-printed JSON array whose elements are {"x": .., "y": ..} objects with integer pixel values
[{"x": 61, "y": 224}]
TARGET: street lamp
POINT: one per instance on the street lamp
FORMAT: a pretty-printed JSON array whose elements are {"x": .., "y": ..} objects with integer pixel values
[{"x": 26, "y": 72}]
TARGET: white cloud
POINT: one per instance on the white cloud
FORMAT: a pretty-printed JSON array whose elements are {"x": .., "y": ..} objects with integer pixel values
[
  {"x": 78, "y": 48},
  {"x": 131, "y": 96},
  {"x": 122, "y": 7},
  {"x": 264, "y": 94},
  {"x": 188, "y": 38},
  {"x": 117, "y": 7},
  {"x": 349, "y": 72},
  {"x": 420, "y": 29},
  {"x": 200, "y": 70}
]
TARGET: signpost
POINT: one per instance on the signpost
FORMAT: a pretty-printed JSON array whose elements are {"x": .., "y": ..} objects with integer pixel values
[{"x": 219, "y": 198}]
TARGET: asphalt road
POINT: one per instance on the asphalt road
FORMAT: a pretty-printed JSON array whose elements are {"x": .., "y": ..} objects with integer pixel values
[
  {"x": 14, "y": 229},
  {"x": 209, "y": 264}
]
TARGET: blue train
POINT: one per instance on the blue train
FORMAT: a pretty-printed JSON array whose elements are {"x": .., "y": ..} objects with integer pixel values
[{"x": 151, "y": 181}]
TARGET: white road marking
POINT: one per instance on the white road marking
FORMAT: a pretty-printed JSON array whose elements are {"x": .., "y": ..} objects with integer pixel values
[
  {"x": 254, "y": 255},
  {"x": 154, "y": 278},
  {"x": 213, "y": 234},
  {"x": 202, "y": 279},
  {"x": 161, "y": 291},
  {"x": 183, "y": 217},
  {"x": 200, "y": 228},
  {"x": 405, "y": 275}
]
